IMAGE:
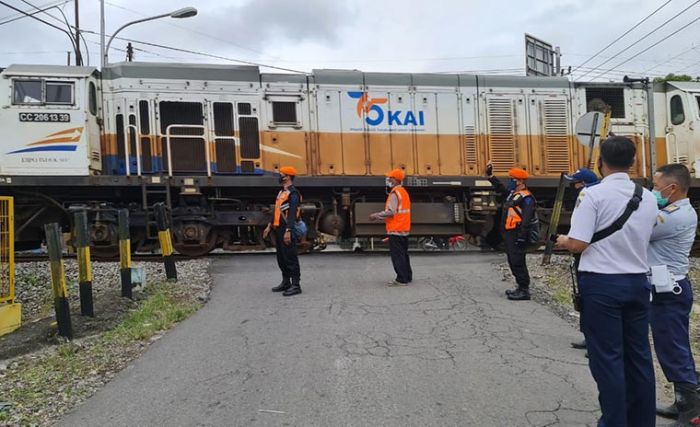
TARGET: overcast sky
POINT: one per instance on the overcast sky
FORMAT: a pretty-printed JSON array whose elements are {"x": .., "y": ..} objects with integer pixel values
[{"x": 374, "y": 35}]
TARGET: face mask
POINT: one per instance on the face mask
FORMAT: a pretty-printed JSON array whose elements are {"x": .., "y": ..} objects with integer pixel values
[
  {"x": 511, "y": 185},
  {"x": 661, "y": 200},
  {"x": 281, "y": 179},
  {"x": 389, "y": 183}
]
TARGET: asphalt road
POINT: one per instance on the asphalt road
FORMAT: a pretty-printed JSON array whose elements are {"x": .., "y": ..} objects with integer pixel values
[{"x": 447, "y": 350}]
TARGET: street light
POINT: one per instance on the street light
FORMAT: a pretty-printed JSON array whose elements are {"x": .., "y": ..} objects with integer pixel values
[{"x": 186, "y": 12}]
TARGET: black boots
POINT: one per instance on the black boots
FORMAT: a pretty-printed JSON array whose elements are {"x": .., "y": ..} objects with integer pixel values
[
  {"x": 520, "y": 294},
  {"x": 288, "y": 287},
  {"x": 294, "y": 289},
  {"x": 286, "y": 284},
  {"x": 671, "y": 411},
  {"x": 687, "y": 404}
]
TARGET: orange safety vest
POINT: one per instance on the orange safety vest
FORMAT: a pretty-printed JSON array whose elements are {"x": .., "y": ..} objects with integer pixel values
[
  {"x": 282, "y": 207},
  {"x": 401, "y": 221},
  {"x": 515, "y": 213}
]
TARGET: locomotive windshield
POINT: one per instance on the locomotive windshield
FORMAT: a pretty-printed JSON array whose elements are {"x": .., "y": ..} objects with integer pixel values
[
  {"x": 42, "y": 92},
  {"x": 27, "y": 92}
]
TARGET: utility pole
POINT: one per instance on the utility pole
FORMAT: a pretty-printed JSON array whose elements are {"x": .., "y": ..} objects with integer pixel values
[
  {"x": 68, "y": 58},
  {"x": 102, "y": 35},
  {"x": 78, "y": 56}
]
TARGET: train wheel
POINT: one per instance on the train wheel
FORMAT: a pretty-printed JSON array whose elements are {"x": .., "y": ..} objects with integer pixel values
[
  {"x": 105, "y": 241},
  {"x": 194, "y": 238}
]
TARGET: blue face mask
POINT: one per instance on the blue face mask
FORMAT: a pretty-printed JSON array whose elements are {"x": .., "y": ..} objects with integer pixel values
[{"x": 511, "y": 185}]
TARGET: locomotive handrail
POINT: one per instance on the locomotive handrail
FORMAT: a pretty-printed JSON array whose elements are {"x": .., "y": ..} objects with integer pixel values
[
  {"x": 137, "y": 144},
  {"x": 675, "y": 145},
  {"x": 202, "y": 137},
  {"x": 643, "y": 132}
]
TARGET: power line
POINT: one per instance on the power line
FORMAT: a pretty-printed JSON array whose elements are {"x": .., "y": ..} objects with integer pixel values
[
  {"x": 70, "y": 36},
  {"x": 645, "y": 36},
  {"x": 209, "y": 55},
  {"x": 626, "y": 32},
  {"x": 444, "y": 58},
  {"x": 188, "y": 29},
  {"x": 689, "y": 67},
  {"x": 660, "y": 63},
  {"x": 22, "y": 15},
  {"x": 657, "y": 43},
  {"x": 64, "y": 21}
]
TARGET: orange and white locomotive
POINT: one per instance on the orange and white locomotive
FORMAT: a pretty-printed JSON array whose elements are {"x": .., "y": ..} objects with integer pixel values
[{"x": 208, "y": 140}]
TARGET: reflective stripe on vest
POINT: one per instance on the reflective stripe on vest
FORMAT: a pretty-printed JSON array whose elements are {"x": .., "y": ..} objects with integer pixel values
[
  {"x": 515, "y": 213},
  {"x": 282, "y": 207},
  {"x": 401, "y": 221}
]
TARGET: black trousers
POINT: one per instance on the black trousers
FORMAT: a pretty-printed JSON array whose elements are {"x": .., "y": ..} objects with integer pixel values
[
  {"x": 287, "y": 257},
  {"x": 516, "y": 260},
  {"x": 398, "y": 247}
]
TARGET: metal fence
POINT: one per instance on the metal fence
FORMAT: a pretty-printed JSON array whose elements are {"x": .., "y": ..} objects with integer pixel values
[{"x": 7, "y": 250}]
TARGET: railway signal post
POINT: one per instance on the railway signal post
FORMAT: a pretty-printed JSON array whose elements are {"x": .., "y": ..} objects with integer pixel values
[
  {"x": 125, "y": 253},
  {"x": 166, "y": 244},
  {"x": 82, "y": 247},
  {"x": 58, "y": 280}
]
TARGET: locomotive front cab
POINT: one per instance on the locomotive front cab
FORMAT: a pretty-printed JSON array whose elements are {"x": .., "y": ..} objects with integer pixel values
[
  {"x": 49, "y": 121},
  {"x": 683, "y": 124}
]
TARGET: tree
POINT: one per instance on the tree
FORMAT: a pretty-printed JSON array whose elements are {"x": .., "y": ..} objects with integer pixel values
[{"x": 676, "y": 78}]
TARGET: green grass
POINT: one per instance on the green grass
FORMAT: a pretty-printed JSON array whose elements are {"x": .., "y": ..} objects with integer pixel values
[
  {"x": 35, "y": 382},
  {"x": 559, "y": 286}
]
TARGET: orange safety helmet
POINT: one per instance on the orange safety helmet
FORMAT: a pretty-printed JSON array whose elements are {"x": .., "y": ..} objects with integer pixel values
[
  {"x": 397, "y": 174},
  {"x": 518, "y": 173},
  {"x": 288, "y": 170}
]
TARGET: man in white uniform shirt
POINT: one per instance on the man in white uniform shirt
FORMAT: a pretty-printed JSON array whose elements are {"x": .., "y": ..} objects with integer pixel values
[{"x": 614, "y": 287}]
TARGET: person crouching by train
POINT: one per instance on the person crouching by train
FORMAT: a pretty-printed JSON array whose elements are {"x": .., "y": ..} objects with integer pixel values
[
  {"x": 287, "y": 211},
  {"x": 397, "y": 217},
  {"x": 672, "y": 294},
  {"x": 519, "y": 211}
]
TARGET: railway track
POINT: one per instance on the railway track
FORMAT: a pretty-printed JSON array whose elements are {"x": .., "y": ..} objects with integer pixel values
[{"x": 23, "y": 257}]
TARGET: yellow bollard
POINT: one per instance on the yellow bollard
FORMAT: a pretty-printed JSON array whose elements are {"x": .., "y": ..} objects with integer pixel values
[{"x": 58, "y": 280}]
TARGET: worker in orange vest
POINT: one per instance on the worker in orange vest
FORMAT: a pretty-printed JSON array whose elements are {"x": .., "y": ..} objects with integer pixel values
[
  {"x": 287, "y": 212},
  {"x": 397, "y": 217},
  {"x": 518, "y": 213}
]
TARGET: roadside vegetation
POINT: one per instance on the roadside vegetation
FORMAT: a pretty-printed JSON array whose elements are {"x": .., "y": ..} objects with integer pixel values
[{"x": 36, "y": 388}]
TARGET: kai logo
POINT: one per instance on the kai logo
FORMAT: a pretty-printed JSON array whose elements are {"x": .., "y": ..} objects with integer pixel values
[{"x": 375, "y": 115}]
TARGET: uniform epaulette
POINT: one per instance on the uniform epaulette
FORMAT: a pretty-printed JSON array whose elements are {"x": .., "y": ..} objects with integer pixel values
[{"x": 670, "y": 208}]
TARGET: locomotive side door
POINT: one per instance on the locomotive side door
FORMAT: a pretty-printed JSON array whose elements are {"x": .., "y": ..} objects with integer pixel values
[
  {"x": 680, "y": 123},
  {"x": 225, "y": 159},
  {"x": 94, "y": 111},
  {"x": 146, "y": 139}
]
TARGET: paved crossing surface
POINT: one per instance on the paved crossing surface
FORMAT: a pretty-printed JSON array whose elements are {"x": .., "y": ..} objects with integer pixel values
[{"x": 447, "y": 350}]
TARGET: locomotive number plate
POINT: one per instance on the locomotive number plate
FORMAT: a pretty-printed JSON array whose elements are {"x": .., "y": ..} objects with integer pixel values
[{"x": 45, "y": 117}]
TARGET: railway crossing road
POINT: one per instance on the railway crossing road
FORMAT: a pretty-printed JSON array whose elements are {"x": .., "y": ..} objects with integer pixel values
[{"x": 447, "y": 350}]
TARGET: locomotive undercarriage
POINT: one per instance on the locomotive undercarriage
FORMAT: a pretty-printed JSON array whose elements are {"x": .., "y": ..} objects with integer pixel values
[
  {"x": 231, "y": 215},
  {"x": 232, "y": 218}
]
